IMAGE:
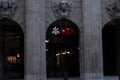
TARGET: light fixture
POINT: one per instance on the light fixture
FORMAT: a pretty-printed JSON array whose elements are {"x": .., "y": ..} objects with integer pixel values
[
  {"x": 68, "y": 52},
  {"x": 63, "y": 53},
  {"x": 18, "y": 55},
  {"x": 46, "y": 41}
]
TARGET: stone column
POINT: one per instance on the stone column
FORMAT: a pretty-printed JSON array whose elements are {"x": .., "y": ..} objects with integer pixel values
[
  {"x": 92, "y": 62},
  {"x": 35, "y": 55},
  {"x": 1, "y": 53}
]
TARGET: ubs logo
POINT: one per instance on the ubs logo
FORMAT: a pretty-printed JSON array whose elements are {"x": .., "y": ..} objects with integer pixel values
[{"x": 63, "y": 30}]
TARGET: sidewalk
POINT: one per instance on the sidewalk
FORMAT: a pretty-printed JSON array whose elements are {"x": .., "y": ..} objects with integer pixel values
[{"x": 76, "y": 78}]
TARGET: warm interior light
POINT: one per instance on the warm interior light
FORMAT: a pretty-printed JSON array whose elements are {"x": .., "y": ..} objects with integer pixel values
[
  {"x": 63, "y": 53},
  {"x": 17, "y": 55},
  {"x": 11, "y": 59},
  {"x": 68, "y": 52},
  {"x": 58, "y": 54}
]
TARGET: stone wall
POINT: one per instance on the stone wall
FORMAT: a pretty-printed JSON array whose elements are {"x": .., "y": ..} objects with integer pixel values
[
  {"x": 90, "y": 31},
  {"x": 76, "y": 16},
  {"x": 105, "y": 17},
  {"x": 20, "y": 14}
]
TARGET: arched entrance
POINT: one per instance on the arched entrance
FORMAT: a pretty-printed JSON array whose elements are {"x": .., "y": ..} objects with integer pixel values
[
  {"x": 111, "y": 48},
  {"x": 62, "y": 49},
  {"x": 11, "y": 49}
]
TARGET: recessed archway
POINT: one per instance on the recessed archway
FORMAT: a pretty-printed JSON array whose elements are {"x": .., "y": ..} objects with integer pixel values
[
  {"x": 12, "y": 48},
  {"x": 62, "y": 49},
  {"x": 111, "y": 48}
]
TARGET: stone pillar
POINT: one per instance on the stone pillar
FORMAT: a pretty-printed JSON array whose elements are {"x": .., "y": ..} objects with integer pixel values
[
  {"x": 92, "y": 61},
  {"x": 1, "y": 54},
  {"x": 35, "y": 55}
]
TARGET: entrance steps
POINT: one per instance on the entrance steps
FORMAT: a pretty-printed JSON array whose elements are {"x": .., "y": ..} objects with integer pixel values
[
  {"x": 52, "y": 79},
  {"x": 111, "y": 78},
  {"x": 15, "y": 79},
  {"x": 77, "y": 78}
]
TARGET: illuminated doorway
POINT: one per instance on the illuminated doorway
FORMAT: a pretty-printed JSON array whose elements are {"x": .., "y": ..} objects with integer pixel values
[
  {"x": 111, "y": 48},
  {"x": 62, "y": 49},
  {"x": 12, "y": 48}
]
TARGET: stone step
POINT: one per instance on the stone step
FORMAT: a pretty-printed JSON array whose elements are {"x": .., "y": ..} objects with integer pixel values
[
  {"x": 111, "y": 78},
  {"x": 76, "y": 78},
  {"x": 15, "y": 79},
  {"x": 63, "y": 79}
]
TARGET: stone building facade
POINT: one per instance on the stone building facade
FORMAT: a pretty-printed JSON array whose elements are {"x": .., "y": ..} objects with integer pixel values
[{"x": 35, "y": 17}]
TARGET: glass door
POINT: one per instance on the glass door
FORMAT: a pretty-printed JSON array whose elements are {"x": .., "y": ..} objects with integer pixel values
[
  {"x": 12, "y": 49},
  {"x": 13, "y": 55}
]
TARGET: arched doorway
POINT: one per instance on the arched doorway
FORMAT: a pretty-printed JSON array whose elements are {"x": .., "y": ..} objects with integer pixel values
[
  {"x": 111, "y": 48},
  {"x": 62, "y": 49},
  {"x": 12, "y": 49}
]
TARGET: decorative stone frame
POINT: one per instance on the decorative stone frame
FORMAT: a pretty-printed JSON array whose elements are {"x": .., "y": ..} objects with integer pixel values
[
  {"x": 62, "y": 9},
  {"x": 7, "y": 8}
]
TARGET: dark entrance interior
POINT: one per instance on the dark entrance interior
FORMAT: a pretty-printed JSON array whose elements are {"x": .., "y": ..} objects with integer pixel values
[
  {"x": 111, "y": 48},
  {"x": 11, "y": 49},
  {"x": 62, "y": 49}
]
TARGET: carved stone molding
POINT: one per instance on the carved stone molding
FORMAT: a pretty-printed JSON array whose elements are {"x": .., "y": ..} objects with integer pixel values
[
  {"x": 7, "y": 8},
  {"x": 62, "y": 9},
  {"x": 113, "y": 9}
]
